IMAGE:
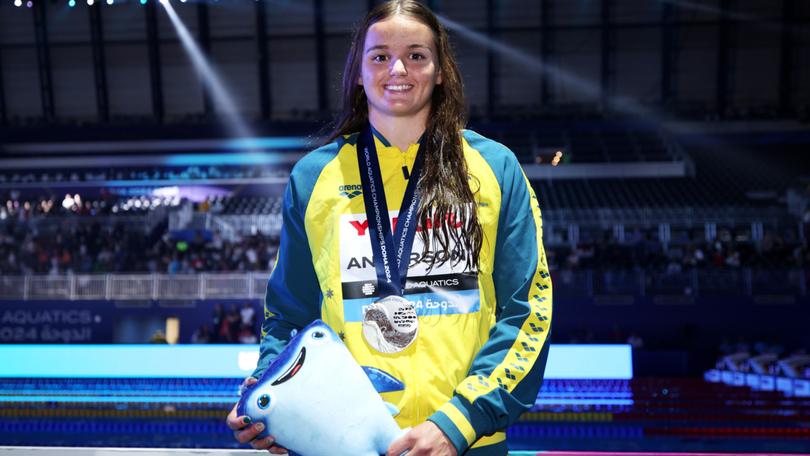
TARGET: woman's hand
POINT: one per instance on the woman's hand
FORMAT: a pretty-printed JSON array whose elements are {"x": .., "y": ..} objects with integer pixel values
[
  {"x": 424, "y": 439},
  {"x": 244, "y": 432}
]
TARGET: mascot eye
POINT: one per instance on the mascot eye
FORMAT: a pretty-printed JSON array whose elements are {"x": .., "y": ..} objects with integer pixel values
[
  {"x": 318, "y": 335},
  {"x": 264, "y": 401}
]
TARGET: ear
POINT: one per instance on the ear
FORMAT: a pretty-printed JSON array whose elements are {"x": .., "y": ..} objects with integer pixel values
[
  {"x": 439, "y": 78},
  {"x": 359, "y": 80}
]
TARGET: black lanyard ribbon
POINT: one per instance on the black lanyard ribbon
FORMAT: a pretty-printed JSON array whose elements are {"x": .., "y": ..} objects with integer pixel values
[{"x": 384, "y": 246}]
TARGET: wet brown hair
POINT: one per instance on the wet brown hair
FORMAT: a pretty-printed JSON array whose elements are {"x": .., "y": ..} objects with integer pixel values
[{"x": 447, "y": 202}]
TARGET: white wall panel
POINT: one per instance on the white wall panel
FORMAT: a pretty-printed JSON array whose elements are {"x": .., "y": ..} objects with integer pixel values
[
  {"x": 232, "y": 19},
  {"x": 21, "y": 82},
  {"x": 470, "y": 13},
  {"x": 758, "y": 9},
  {"x": 290, "y": 17},
  {"x": 519, "y": 81},
  {"x": 68, "y": 25},
  {"x": 182, "y": 88},
  {"x": 801, "y": 73},
  {"x": 341, "y": 15},
  {"x": 577, "y": 54},
  {"x": 472, "y": 61},
  {"x": 634, "y": 11},
  {"x": 128, "y": 83},
  {"x": 337, "y": 49},
  {"x": 756, "y": 66},
  {"x": 696, "y": 76},
  {"x": 125, "y": 22},
  {"x": 187, "y": 12},
  {"x": 568, "y": 12},
  {"x": 237, "y": 65},
  {"x": 74, "y": 94},
  {"x": 637, "y": 64},
  {"x": 704, "y": 10},
  {"x": 292, "y": 72},
  {"x": 16, "y": 24},
  {"x": 800, "y": 95}
]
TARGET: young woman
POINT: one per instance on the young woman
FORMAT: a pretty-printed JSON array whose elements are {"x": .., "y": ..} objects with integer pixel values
[{"x": 462, "y": 320}]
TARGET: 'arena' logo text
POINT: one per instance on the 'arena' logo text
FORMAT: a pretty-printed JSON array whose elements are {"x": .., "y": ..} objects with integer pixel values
[{"x": 350, "y": 191}]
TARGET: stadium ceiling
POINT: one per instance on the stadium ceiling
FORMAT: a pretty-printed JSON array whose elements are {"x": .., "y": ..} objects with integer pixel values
[{"x": 103, "y": 61}]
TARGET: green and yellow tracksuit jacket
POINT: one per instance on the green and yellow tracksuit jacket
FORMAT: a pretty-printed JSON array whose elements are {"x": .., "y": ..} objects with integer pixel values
[{"x": 478, "y": 359}]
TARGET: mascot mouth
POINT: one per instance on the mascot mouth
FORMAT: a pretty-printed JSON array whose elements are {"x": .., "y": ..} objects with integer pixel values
[{"x": 296, "y": 366}]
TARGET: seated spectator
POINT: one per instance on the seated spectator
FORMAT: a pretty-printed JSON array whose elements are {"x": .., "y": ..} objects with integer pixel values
[
  {"x": 201, "y": 336},
  {"x": 247, "y": 336}
]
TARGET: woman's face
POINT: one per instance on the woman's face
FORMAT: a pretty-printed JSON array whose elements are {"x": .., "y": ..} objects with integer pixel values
[{"x": 399, "y": 68}]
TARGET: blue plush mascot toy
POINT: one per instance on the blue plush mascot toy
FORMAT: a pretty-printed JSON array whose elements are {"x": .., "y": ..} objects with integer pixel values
[{"x": 316, "y": 400}]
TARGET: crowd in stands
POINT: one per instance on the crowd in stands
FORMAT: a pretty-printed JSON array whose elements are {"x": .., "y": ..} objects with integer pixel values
[
  {"x": 97, "y": 248},
  {"x": 236, "y": 325},
  {"x": 209, "y": 172},
  {"x": 104, "y": 248},
  {"x": 72, "y": 204},
  {"x": 641, "y": 250}
]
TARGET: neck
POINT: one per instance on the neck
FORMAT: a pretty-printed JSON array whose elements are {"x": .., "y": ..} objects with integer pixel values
[{"x": 399, "y": 131}]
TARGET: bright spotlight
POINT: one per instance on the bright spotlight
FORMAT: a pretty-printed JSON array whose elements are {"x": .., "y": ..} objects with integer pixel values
[
  {"x": 72, "y": 3},
  {"x": 29, "y": 4},
  {"x": 110, "y": 2},
  {"x": 17, "y": 3},
  {"x": 143, "y": 2},
  {"x": 90, "y": 2}
]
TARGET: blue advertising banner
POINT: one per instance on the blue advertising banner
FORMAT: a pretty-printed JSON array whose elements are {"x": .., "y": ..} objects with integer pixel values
[
  {"x": 54, "y": 322},
  {"x": 107, "y": 322}
]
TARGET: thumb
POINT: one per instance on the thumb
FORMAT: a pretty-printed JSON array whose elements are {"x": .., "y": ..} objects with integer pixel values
[{"x": 400, "y": 445}]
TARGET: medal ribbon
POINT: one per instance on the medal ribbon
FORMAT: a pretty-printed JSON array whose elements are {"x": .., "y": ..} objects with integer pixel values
[{"x": 388, "y": 249}]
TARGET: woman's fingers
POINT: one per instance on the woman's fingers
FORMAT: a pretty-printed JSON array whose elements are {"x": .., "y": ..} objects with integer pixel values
[
  {"x": 249, "y": 433},
  {"x": 263, "y": 444},
  {"x": 236, "y": 423},
  {"x": 275, "y": 449},
  {"x": 247, "y": 382}
]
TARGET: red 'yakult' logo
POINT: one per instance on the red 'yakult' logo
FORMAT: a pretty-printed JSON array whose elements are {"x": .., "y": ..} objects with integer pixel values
[{"x": 362, "y": 227}]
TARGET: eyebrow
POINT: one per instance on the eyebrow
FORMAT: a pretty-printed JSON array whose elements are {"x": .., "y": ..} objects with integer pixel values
[{"x": 385, "y": 47}]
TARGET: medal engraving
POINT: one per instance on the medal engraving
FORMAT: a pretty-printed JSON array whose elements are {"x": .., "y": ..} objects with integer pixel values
[{"x": 390, "y": 324}]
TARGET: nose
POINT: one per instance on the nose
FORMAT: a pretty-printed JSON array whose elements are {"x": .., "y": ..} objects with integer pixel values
[{"x": 398, "y": 68}]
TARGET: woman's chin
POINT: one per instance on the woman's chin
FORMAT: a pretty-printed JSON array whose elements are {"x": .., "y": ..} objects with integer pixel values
[{"x": 399, "y": 108}]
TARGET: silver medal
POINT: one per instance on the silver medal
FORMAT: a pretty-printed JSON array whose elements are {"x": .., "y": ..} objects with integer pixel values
[{"x": 390, "y": 324}]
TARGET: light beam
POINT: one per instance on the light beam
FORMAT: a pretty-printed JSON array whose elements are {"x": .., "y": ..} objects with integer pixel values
[{"x": 209, "y": 76}]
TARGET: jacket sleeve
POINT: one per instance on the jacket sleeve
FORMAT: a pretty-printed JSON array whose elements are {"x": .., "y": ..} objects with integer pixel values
[
  {"x": 293, "y": 294},
  {"x": 507, "y": 372}
]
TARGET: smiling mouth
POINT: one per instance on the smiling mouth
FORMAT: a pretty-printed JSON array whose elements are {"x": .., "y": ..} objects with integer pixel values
[
  {"x": 399, "y": 87},
  {"x": 296, "y": 366}
]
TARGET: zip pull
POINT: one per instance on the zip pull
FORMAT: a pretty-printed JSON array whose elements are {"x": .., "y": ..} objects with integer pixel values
[{"x": 405, "y": 173}]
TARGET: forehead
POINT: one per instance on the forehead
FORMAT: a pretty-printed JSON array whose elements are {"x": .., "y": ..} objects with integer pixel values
[{"x": 399, "y": 30}]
